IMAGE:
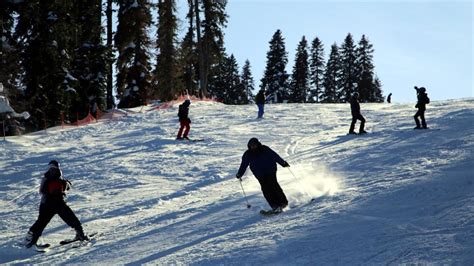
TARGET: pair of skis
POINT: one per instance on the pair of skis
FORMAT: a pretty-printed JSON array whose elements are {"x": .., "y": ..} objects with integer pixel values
[
  {"x": 276, "y": 212},
  {"x": 42, "y": 248}
]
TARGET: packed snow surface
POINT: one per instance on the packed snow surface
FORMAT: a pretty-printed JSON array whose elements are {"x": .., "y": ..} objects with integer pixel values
[{"x": 393, "y": 196}]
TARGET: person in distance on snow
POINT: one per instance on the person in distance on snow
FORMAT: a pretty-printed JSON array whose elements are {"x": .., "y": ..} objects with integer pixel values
[
  {"x": 260, "y": 101},
  {"x": 423, "y": 100},
  {"x": 389, "y": 98},
  {"x": 262, "y": 161},
  {"x": 356, "y": 115},
  {"x": 184, "y": 120},
  {"x": 53, "y": 187}
]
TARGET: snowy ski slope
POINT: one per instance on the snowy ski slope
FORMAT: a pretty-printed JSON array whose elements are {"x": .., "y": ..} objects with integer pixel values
[{"x": 394, "y": 196}]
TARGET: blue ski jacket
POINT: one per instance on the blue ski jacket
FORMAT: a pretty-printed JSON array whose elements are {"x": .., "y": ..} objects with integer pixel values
[{"x": 262, "y": 162}]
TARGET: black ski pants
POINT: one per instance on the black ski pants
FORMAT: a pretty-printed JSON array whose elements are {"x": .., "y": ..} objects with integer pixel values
[
  {"x": 420, "y": 114},
  {"x": 272, "y": 191},
  {"x": 356, "y": 117},
  {"x": 47, "y": 210}
]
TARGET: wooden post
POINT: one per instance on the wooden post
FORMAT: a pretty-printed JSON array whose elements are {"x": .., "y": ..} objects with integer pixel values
[
  {"x": 3, "y": 130},
  {"x": 62, "y": 120}
]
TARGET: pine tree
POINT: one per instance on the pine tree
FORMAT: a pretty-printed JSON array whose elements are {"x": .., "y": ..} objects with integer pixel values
[
  {"x": 46, "y": 32},
  {"x": 215, "y": 20},
  {"x": 365, "y": 66},
  {"x": 349, "y": 73},
  {"x": 225, "y": 84},
  {"x": 132, "y": 42},
  {"x": 331, "y": 82},
  {"x": 377, "y": 92},
  {"x": 235, "y": 91},
  {"x": 299, "y": 79},
  {"x": 188, "y": 59},
  {"x": 275, "y": 76},
  {"x": 10, "y": 56},
  {"x": 247, "y": 81},
  {"x": 166, "y": 73},
  {"x": 110, "y": 58},
  {"x": 316, "y": 70},
  {"x": 89, "y": 66}
]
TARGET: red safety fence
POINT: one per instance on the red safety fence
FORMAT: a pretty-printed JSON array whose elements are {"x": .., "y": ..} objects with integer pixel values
[
  {"x": 89, "y": 119},
  {"x": 116, "y": 113},
  {"x": 181, "y": 99}
]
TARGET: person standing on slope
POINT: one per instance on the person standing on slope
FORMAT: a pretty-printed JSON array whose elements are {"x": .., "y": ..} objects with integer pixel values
[
  {"x": 53, "y": 187},
  {"x": 423, "y": 100},
  {"x": 260, "y": 101},
  {"x": 389, "y": 98},
  {"x": 356, "y": 115},
  {"x": 184, "y": 120},
  {"x": 262, "y": 161}
]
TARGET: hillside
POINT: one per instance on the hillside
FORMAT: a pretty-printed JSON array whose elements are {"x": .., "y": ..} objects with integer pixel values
[{"x": 394, "y": 196}]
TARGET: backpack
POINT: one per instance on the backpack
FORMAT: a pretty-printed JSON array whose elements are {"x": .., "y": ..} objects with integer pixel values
[{"x": 55, "y": 187}]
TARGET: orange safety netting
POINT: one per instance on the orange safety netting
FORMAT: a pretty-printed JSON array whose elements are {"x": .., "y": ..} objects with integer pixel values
[
  {"x": 180, "y": 99},
  {"x": 100, "y": 116}
]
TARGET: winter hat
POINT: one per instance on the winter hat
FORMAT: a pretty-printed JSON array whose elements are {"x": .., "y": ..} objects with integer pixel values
[
  {"x": 422, "y": 89},
  {"x": 53, "y": 164},
  {"x": 187, "y": 102},
  {"x": 253, "y": 141}
]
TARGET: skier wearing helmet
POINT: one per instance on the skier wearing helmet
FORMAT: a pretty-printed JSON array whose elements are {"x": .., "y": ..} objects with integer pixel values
[
  {"x": 262, "y": 161},
  {"x": 356, "y": 115},
  {"x": 184, "y": 120},
  {"x": 53, "y": 189},
  {"x": 423, "y": 100}
]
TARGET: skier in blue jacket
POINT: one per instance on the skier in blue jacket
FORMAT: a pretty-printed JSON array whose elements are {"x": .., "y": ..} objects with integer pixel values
[{"x": 262, "y": 161}]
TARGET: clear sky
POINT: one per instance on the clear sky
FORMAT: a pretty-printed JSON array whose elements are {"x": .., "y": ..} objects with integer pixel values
[{"x": 423, "y": 43}]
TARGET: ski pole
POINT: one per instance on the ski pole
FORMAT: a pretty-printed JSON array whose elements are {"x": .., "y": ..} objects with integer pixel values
[
  {"x": 245, "y": 196},
  {"x": 292, "y": 173},
  {"x": 299, "y": 181}
]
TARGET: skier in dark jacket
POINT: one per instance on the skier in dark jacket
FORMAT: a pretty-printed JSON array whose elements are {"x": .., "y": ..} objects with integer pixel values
[
  {"x": 184, "y": 120},
  {"x": 356, "y": 115},
  {"x": 262, "y": 161},
  {"x": 423, "y": 100},
  {"x": 52, "y": 189},
  {"x": 260, "y": 101},
  {"x": 389, "y": 98}
]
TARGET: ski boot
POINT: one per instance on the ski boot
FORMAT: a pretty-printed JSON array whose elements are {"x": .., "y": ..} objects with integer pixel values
[
  {"x": 30, "y": 239},
  {"x": 80, "y": 235}
]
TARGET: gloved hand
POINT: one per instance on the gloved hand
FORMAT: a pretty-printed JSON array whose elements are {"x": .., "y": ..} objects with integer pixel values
[
  {"x": 286, "y": 164},
  {"x": 238, "y": 176},
  {"x": 68, "y": 184},
  {"x": 189, "y": 121}
]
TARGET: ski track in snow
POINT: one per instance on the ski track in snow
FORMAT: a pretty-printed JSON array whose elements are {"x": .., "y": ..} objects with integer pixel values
[{"x": 393, "y": 196}]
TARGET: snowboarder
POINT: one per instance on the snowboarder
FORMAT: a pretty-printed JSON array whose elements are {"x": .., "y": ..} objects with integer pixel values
[
  {"x": 53, "y": 187},
  {"x": 389, "y": 98},
  {"x": 184, "y": 120},
  {"x": 262, "y": 161},
  {"x": 356, "y": 115},
  {"x": 423, "y": 100},
  {"x": 260, "y": 101}
]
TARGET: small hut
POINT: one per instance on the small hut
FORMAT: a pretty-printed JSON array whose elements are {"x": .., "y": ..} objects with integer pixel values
[{"x": 9, "y": 118}]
